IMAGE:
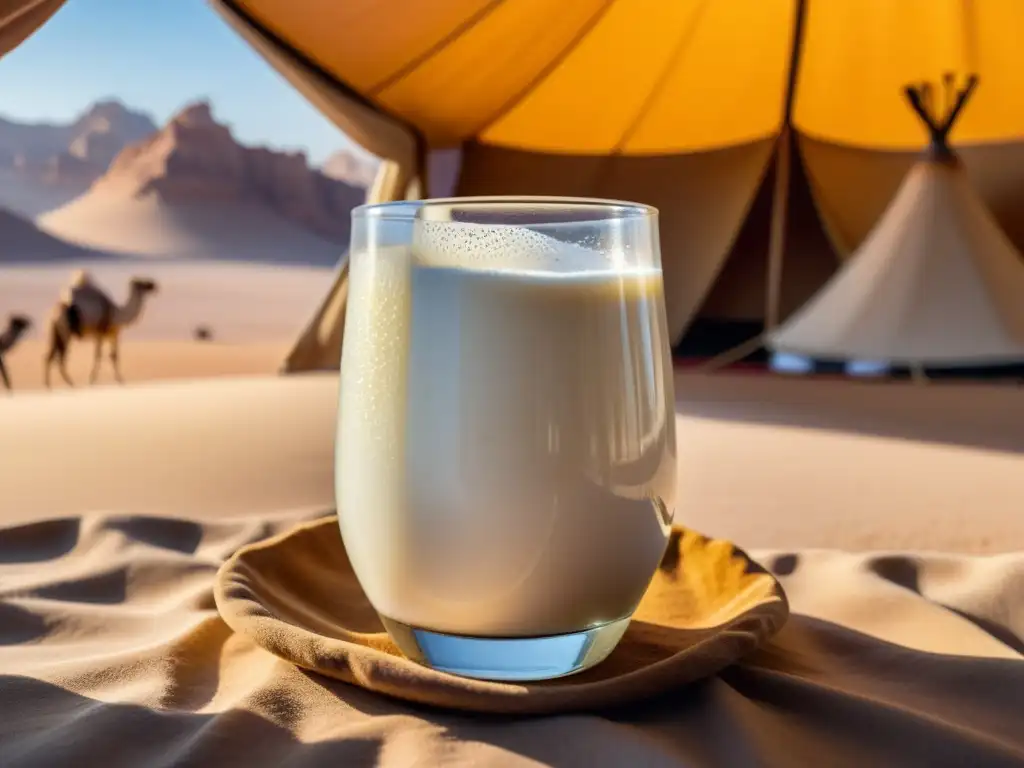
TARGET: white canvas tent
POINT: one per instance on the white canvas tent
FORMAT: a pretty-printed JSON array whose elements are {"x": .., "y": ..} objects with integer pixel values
[{"x": 937, "y": 282}]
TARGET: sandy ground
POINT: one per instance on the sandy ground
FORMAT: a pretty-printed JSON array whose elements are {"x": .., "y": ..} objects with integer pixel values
[{"x": 156, "y": 360}]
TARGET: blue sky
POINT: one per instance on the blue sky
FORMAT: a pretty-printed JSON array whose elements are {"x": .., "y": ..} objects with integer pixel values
[{"x": 157, "y": 55}]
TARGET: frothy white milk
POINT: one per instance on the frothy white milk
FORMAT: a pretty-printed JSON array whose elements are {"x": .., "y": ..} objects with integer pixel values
[{"x": 506, "y": 449}]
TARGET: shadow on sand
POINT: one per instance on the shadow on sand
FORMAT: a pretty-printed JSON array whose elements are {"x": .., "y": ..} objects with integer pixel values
[{"x": 983, "y": 416}]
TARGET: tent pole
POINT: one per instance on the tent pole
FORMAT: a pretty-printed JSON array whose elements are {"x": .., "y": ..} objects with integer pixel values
[
  {"x": 780, "y": 196},
  {"x": 419, "y": 185},
  {"x": 777, "y": 232},
  {"x": 319, "y": 346},
  {"x": 780, "y": 199},
  {"x": 776, "y": 247}
]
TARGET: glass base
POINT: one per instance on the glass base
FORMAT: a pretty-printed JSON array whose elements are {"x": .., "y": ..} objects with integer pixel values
[{"x": 507, "y": 658}]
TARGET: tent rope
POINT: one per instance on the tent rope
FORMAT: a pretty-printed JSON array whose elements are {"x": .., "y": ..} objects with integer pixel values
[
  {"x": 733, "y": 354},
  {"x": 939, "y": 127}
]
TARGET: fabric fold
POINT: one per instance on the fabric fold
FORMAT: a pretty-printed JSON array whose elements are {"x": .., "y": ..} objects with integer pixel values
[{"x": 827, "y": 690}]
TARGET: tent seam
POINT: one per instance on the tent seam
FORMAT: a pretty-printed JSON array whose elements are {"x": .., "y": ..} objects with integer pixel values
[
  {"x": 416, "y": 61},
  {"x": 545, "y": 71},
  {"x": 670, "y": 66}
]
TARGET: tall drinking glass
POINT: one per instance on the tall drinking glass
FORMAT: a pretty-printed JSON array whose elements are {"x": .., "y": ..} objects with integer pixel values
[{"x": 506, "y": 444}]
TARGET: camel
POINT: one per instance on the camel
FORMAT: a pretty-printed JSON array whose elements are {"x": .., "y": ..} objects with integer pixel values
[
  {"x": 17, "y": 325},
  {"x": 86, "y": 311}
]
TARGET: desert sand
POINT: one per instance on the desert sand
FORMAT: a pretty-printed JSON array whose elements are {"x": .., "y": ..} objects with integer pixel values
[{"x": 144, "y": 361}]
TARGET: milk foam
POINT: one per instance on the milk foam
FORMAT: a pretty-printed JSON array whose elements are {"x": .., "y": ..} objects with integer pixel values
[{"x": 500, "y": 248}]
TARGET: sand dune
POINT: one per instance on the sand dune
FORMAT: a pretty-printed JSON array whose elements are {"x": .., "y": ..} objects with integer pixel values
[{"x": 233, "y": 231}]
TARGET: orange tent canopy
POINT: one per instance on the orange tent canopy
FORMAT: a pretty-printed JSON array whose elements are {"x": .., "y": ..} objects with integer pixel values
[{"x": 651, "y": 77}]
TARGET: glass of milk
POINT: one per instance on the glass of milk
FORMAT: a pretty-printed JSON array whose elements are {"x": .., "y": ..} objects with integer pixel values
[{"x": 506, "y": 459}]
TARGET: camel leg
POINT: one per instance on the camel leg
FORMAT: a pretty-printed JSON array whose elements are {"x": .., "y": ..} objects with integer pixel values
[
  {"x": 114, "y": 358},
  {"x": 56, "y": 356},
  {"x": 3, "y": 375},
  {"x": 51, "y": 358},
  {"x": 57, "y": 353},
  {"x": 97, "y": 360},
  {"x": 62, "y": 367},
  {"x": 61, "y": 355},
  {"x": 51, "y": 353}
]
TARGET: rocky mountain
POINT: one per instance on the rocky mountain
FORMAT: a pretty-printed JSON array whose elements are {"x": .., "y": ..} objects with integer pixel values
[
  {"x": 95, "y": 136},
  {"x": 351, "y": 168},
  {"x": 43, "y": 165},
  {"x": 196, "y": 160},
  {"x": 50, "y": 171}
]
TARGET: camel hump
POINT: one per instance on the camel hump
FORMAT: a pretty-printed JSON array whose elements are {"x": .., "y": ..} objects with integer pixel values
[{"x": 80, "y": 278}]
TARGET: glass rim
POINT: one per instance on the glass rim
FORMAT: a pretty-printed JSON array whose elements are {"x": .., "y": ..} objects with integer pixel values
[{"x": 405, "y": 210}]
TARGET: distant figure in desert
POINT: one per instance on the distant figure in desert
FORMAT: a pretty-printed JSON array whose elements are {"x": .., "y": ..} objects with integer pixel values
[
  {"x": 16, "y": 327},
  {"x": 84, "y": 311}
]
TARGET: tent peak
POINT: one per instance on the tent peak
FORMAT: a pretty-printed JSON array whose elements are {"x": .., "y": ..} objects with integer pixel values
[{"x": 939, "y": 126}]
